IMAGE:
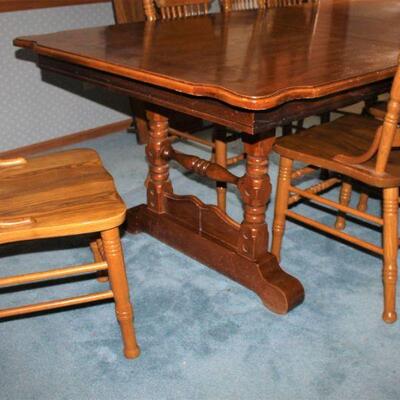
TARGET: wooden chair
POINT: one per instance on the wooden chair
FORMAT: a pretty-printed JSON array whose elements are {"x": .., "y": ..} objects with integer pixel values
[
  {"x": 354, "y": 147},
  {"x": 65, "y": 194}
]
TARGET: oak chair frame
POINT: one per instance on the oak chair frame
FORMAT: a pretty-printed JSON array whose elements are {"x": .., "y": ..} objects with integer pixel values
[
  {"x": 107, "y": 250},
  {"x": 386, "y": 137}
]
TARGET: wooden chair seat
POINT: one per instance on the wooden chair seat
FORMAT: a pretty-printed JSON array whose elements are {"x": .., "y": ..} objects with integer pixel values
[
  {"x": 350, "y": 135},
  {"x": 66, "y": 193}
]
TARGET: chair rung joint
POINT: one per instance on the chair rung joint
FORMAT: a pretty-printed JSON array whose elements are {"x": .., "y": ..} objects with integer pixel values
[
  {"x": 54, "y": 304},
  {"x": 53, "y": 274},
  {"x": 318, "y": 188},
  {"x": 334, "y": 232},
  {"x": 235, "y": 159},
  {"x": 298, "y": 173},
  {"x": 349, "y": 210},
  {"x": 188, "y": 136}
]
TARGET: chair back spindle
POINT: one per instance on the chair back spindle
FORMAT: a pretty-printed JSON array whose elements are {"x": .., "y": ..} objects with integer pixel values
[
  {"x": 242, "y": 5},
  {"x": 173, "y": 9}
]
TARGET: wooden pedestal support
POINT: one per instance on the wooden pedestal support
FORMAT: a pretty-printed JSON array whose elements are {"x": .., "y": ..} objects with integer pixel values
[
  {"x": 279, "y": 291},
  {"x": 206, "y": 233}
]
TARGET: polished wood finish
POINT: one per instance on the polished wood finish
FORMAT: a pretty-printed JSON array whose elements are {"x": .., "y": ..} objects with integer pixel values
[
  {"x": 198, "y": 68},
  {"x": 247, "y": 121},
  {"x": 20, "y": 5},
  {"x": 269, "y": 70},
  {"x": 62, "y": 194},
  {"x": 126, "y": 11},
  {"x": 356, "y": 147}
]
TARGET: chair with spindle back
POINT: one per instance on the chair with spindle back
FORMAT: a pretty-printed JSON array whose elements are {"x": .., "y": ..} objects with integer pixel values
[
  {"x": 353, "y": 147},
  {"x": 67, "y": 194}
]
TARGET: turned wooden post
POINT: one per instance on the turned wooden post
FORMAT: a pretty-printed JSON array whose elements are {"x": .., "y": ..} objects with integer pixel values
[
  {"x": 344, "y": 199},
  {"x": 390, "y": 245},
  {"x": 281, "y": 205},
  {"x": 363, "y": 202},
  {"x": 221, "y": 151},
  {"x": 255, "y": 189},
  {"x": 158, "y": 181},
  {"x": 119, "y": 285}
]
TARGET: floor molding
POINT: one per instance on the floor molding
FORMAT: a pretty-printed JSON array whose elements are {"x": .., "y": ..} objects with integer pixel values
[{"x": 68, "y": 139}]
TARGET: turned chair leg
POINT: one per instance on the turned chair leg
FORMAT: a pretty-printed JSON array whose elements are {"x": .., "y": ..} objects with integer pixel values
[
  {"x": 363, "y": 202},
  {"x": 119, "y": 286},
  {"x": 221, "y": 157},
  {"x": 281, "y": 205},
  {"x": 98, "y": 255},
  {"x": 344, "y": 199},
  {"x": 390, "y": 248}
]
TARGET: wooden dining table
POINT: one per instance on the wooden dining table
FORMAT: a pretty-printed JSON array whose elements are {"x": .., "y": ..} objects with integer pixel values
[{"x": 250, "y": 71}]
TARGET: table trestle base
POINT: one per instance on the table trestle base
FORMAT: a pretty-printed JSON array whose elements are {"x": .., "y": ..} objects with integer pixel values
[{"x": 279, "y": 291}]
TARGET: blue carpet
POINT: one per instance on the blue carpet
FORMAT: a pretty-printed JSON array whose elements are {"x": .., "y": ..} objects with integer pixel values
[{"x": 202, "y": 336}]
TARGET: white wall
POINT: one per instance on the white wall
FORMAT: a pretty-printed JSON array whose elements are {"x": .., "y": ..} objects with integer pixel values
[{"x": 33, "y": 107}]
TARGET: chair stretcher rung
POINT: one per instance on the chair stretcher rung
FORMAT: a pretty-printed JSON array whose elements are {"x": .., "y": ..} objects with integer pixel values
[
  {"x": 334, "y": 232},
  {"x": 318, "y": 188},
  {"x": 235, "y": 159},
  {"x": 310, "y": 195},
  {"x": 53, "y": 274},
  {"x": 299, "y": 173},
  {"x": 188, "y": 136},
  {"x": 50, "y": 305}
]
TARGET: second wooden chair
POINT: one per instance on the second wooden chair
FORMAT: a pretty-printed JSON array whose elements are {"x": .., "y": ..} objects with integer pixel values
[
  {"x": 67, "y": 194},
  {"x": 353, "y": 148}
]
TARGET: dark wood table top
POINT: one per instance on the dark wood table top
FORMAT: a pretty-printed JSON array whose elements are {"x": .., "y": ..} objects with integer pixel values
[{"x": 246, "y": 59}]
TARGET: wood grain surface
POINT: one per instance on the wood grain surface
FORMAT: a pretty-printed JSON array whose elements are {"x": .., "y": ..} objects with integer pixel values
[{"x": 246, "y": 59}]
